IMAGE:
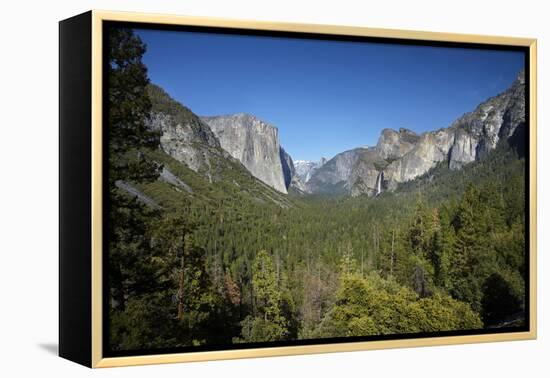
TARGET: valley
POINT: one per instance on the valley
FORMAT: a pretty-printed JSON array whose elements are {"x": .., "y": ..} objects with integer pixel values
[{"x": 217, "y": 236}]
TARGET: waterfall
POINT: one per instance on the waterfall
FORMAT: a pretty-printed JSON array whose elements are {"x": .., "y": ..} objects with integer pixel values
[{"x": 379, "y": 180}]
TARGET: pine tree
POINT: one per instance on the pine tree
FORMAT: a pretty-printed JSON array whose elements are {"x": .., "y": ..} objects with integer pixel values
[
  {"x": 267, "y": 322},
  {"x": 138, "y": 273},
  {"x": 128, "y": 220},
  {"x": 128, "y": 109},
  {"x": 420, "y": 237},
  {"x": 468, "y": 250},
  {"x": 442, "y": 249}
]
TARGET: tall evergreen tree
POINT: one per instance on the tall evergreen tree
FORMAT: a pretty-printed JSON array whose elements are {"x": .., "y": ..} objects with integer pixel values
[
  {"x": 128, "y": 110},
  {"x": 133, "y": 264},
  {"x": 267, "y": 322}
]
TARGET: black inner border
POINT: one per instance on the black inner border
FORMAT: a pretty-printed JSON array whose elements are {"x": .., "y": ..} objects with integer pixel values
[{"x": 107, "y": 25}]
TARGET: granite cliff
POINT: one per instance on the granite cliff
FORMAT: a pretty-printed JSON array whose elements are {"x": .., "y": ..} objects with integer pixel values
[
  {"x": 292, "y": 178},
  {"x": 399, "y": 155},
  {"x": 187, "y": 140},
  {"x": 403, "y": 155},
  {"x": 183, "y": 135},
  {"x": 306, "y": 168},
  {"x": 202, "y": 142},
  {"x": 254, "y": 143}
]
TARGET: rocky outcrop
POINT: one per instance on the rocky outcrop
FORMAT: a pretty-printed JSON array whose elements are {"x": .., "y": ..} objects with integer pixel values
[
  {"x": 287, "y": 165},
  {"x": 352, "y": 172},
  {"x": 254, "y": 143},
  {"x": 183, "y": 135},
  {"x": 200, "y": 143},
  {"x": 403, "y": 155},
  {"x": 336, "y": 175},
  {"x": 399, "y": 155},
  {"x": 172, "y": 179},
  {"x": 292, "y": 180},
  {"x": 134, "y": 192},
  {"x": 478, "y": 132},
  {"x": 190, "y": 140},
  {"x": 297, "y": 184},
  {"x": 394, "y": 144},
  {"x": 306, "y": 168},
  {"x": 365, "y": 174},
  {"x": 430, "y": 149}
]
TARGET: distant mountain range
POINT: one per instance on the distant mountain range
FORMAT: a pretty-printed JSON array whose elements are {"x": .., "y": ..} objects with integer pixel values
[
  {"x": 399, "y": 156},
  {"x": 306, "y": 168}
]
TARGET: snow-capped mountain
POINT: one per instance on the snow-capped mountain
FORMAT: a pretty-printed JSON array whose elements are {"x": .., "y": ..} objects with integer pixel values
[{"x": 306, "y": 168}]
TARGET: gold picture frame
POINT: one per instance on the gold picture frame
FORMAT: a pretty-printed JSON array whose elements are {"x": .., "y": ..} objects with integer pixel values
[{"x": 92, "y": 355}]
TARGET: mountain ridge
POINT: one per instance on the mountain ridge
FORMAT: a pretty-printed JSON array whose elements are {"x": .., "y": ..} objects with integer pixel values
[
  {"x": 254, "y": 143},
  {"x": 398, "y": 156},
  {"x": 403, "y": 155}
]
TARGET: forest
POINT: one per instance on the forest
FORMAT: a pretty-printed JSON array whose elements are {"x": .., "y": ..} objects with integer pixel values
[{"x": 215, "y": 266}]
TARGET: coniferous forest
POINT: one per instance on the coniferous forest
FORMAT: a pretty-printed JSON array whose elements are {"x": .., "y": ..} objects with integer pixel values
[{"x": 218, "y": 258}]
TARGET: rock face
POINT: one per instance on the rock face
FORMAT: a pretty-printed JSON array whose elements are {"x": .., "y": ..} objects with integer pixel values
[
  {"x": 335, "y": 176},
  {"x": 394, "y": 144},
  {"x": 188, "y": 139},
  {"x": 199, "y": 143},
  {"x": 292, "y": 180},
  {"x": 172, "y": 179},
  {"x": 352, "y": 172},
  {"x": 134, "y": 192},
  {"x": 287, "y": 165},
  {"x": 254, "y": 143},
  {"x": 431, "y": 148},
  {"x": 403, "y": 155},
  {"x": 364, "y": 177},
  {"x": 478, "y": 132},
  {"x": 306, "y": 168},
  {"x": 183, "y": 135},
  {"x": 398, "y": 156},
  {"x": 297, "y": 184}
]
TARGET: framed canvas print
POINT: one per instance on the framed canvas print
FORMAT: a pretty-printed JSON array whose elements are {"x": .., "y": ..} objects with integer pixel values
[{"x": 236, "y": 189}]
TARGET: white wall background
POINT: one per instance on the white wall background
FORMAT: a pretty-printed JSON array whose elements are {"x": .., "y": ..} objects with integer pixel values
[{"x": 28, "y": 210}]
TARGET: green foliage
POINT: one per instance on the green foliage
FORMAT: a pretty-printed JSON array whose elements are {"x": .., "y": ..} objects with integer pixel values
[
  {"x": 264, "y": 283},
  {"x": 267, "y": 322},
  {"x": 147, "y": 322},
  {"x": 233, "y": 260},
  {"x": 161, "y": 291},
  {"x": 199, "y": 304},
  {"x": 258, "y": 329},
  {"x": 434, "y": 257},
  {"x": 374, "y": 306},
  {"x": 162, "y": 103},
  {"x": 128, "y": 109},
  {"x": 133, "y": 266}
]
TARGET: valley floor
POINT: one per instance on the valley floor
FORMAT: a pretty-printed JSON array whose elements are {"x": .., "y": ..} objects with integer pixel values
[{"x": 236, "y": 262}]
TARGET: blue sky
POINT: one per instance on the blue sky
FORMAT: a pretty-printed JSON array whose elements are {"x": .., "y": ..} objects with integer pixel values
[{"x": 325, "y": 96}]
